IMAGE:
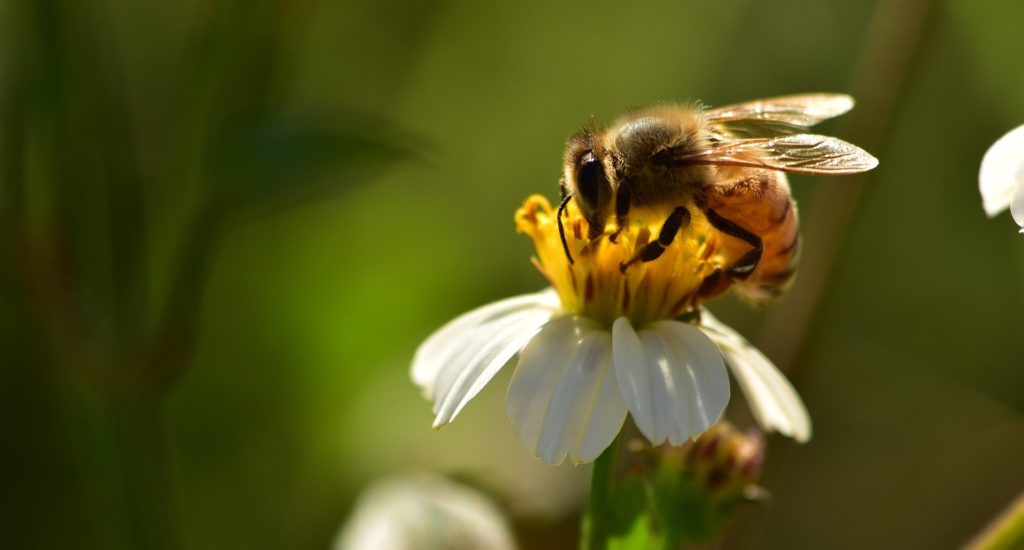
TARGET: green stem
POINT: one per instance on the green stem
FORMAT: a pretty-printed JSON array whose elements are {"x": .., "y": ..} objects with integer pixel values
[
  {"x": 595, "y": 525},
  {"x": 147, "y": 485},
  {"x": 1005, "y": 532}
]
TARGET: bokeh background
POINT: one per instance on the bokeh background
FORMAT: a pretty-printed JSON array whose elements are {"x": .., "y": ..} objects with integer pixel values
[{"x": 226, "y": 225}]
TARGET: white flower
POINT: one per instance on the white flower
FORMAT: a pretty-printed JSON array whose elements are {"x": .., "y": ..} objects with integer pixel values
[
  {"x": 576, "y": 380},
  {"x": 1001, "y": 179},
  {"x": 423, "y": 511},
  {"x": 604, "y": 341}
]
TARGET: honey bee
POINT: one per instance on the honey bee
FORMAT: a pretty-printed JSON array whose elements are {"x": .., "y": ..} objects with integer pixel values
[{"x": 730, "y": 163}]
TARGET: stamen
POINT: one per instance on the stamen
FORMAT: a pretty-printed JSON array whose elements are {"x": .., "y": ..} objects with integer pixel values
[
  {"x": 643, "y": 237},
  {"x": 625, "y": 295},
  {"x": 589, "y": 274},
  {"x": 677, "y": 308}
]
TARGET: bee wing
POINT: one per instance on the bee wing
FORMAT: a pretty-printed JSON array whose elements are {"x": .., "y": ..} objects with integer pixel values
[
  {"x": 775, "y": 116},
  {"x": 799, "y": 154}
]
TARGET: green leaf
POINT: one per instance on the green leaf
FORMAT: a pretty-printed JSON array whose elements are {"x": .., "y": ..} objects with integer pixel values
[
  {"x": 292, "y": 159},
  {"x": 639, "y": 536}
]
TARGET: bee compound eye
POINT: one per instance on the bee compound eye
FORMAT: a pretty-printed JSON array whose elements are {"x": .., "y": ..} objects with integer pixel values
[{"x": 592, "y": 182}]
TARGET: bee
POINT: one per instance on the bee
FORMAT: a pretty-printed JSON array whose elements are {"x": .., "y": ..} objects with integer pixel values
[{"x": 730, "y": 163}]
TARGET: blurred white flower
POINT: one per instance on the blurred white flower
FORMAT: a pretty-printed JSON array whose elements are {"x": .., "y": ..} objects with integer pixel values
[
  {"x": 423, "y": 512},
  {"x": 605, "y": 340},
  {"x": 1001, "y": 179}
]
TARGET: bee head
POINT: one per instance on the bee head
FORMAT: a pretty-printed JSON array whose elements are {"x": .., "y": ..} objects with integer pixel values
[{"x": 586, "y": 171}]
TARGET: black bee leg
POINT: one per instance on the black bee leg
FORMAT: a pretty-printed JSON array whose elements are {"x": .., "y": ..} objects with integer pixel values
[
  {"x": 677, "y": 220},
  {"x": 622, "y": 203},
  {"x": 561, "y": 227},
  {"x": 712, "y": 285},
  {"x": 745, "y": 266}
]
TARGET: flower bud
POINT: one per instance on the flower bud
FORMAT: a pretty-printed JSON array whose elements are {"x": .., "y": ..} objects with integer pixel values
[
  {"x": 725, "y": 462},
  {"x": 696, "y": 487}
]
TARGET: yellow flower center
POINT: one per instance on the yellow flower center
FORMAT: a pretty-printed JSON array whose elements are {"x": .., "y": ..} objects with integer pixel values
[{"x": 605, "y": 281}]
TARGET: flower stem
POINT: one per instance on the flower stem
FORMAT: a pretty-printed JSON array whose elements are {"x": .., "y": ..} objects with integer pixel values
[
  {"x": 1006, "y": 531},
  {"x": 595, "y": 526}
]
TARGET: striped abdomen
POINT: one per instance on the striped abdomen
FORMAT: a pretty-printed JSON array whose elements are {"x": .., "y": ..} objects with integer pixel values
[{"x": 760, "y": 203}]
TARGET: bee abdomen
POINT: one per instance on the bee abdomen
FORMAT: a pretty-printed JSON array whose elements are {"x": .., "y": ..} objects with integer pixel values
[
  {"x": 761, "y": 204},
  {"x": 777, "y": 270}
]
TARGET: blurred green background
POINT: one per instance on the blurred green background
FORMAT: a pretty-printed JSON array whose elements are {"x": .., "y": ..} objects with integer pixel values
[{"x": 226, "y": 225}]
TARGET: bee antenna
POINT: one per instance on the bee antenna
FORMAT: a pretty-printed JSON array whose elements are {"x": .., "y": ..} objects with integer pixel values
[{"x": 561, "y": 228}]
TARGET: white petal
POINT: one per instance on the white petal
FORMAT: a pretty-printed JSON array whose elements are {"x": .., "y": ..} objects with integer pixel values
[
  {"x": 1002, "y": 173},
  {"x": 447, "y": 341},
  {"x": 538, "y": 371},
  {"x": 1017, "y": 206},
  {"x": 705, "y": 373},
  {"x": 563, "y": 399},
  {"x": 630, "y": 362},
  {"x": 485, "y": 350},
  {"x": 607, "y": 413},
  {"x": 674, "y": 383},
  {"x": 774, "y": 402}
]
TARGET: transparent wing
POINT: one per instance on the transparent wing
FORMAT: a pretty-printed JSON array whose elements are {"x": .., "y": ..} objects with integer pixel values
[
  {"x": 792, "y": 114},
  {"x": 799, "y": 154}
]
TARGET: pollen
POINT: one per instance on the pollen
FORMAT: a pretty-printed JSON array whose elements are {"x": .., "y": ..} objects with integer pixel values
[{"x": 605, "y": 280}]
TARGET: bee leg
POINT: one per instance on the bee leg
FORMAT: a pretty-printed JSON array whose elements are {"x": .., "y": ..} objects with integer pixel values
[
  {"x": 561, "y": 227},
  {"x": 622, "y": 203},
  {"x": 745, "y": 266},
  {"x": 712, "y": 285},
  {"x": 677, "y": 220}
]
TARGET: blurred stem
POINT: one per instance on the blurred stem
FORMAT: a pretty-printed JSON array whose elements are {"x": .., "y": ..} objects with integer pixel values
[
  {"x": 1005, "y": 532},
  {"x": 174, "y": 338},
  {"x": 141, "y": 443},
  {"x": 595, "y": 528},
  {"x": 891, "y": 45}
]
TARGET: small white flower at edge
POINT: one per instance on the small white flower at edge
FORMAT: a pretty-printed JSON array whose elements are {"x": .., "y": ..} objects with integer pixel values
[
  {"x": 575, "y": 380},
  {"x": 1001, "y": 179}
]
